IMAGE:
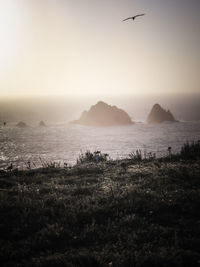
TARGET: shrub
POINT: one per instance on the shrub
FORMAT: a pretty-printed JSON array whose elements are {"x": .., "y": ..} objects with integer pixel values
[
  {"x": 88, "y": 156},
  {"x": 136, "y": 156},
  {"x": 190, "y": 150}
]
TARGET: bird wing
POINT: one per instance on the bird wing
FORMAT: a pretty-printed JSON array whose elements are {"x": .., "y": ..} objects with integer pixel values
[
  {"x": 138, "y": 15},
  {"x": 127, "y": 19}
]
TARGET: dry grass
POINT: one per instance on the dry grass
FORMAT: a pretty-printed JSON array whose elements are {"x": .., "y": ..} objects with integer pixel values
[{"x": 115, "y": 213}]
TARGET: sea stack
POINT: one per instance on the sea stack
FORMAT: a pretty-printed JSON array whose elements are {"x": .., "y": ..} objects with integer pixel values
[
  {"x": 42, "y": 124},
  {"x": 21, "y": 124},
  {"x": 159, "y": 115},
  {"x": 103, "y": 114}
]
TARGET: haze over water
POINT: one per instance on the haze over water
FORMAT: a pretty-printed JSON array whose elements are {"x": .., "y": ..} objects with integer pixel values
[
  {"x": 63, "y": 142},
  {"x": 66, "y": 108}
]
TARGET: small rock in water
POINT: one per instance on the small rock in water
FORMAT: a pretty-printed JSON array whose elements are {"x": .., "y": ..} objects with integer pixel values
[
  {"x": 21, "y": 124},
  {"x": 42, "y": 124}
]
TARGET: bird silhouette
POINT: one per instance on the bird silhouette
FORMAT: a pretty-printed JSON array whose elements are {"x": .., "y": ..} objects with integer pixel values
[{"x": 133, "y": 17}]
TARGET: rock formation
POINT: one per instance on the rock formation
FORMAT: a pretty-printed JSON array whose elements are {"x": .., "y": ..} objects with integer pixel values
[
  {"x": 103, "y": 114},
  {"x": 42, "y": 124},
  {"x": 21, "y": 124},
  {"x": 158, "y": 115}
]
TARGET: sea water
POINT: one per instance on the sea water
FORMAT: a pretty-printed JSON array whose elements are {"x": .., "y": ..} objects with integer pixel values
[{"x": 63, "y": 143}]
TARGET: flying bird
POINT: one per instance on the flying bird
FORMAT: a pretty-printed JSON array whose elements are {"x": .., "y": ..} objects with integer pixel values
[{"x": 134, "y": 17}]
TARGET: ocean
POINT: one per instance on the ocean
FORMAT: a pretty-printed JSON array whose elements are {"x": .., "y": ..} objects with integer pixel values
[{"x": 64, "y": 142}]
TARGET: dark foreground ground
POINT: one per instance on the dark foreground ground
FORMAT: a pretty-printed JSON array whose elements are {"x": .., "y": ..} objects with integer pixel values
[{"x": 116, "y": 213}]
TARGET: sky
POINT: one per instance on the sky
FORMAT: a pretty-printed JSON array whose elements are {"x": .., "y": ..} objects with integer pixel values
[{"x": 76, "y": 47}]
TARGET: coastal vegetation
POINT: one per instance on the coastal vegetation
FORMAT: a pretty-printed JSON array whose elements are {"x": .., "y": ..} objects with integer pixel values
[{"x": 140, "y": 211}]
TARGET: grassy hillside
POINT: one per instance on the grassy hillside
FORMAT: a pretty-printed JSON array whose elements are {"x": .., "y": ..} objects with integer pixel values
[{"x": 114, "y": 213}]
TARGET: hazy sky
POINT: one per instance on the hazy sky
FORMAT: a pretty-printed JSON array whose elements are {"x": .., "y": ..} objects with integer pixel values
[{"x": 83, "y": 47}]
